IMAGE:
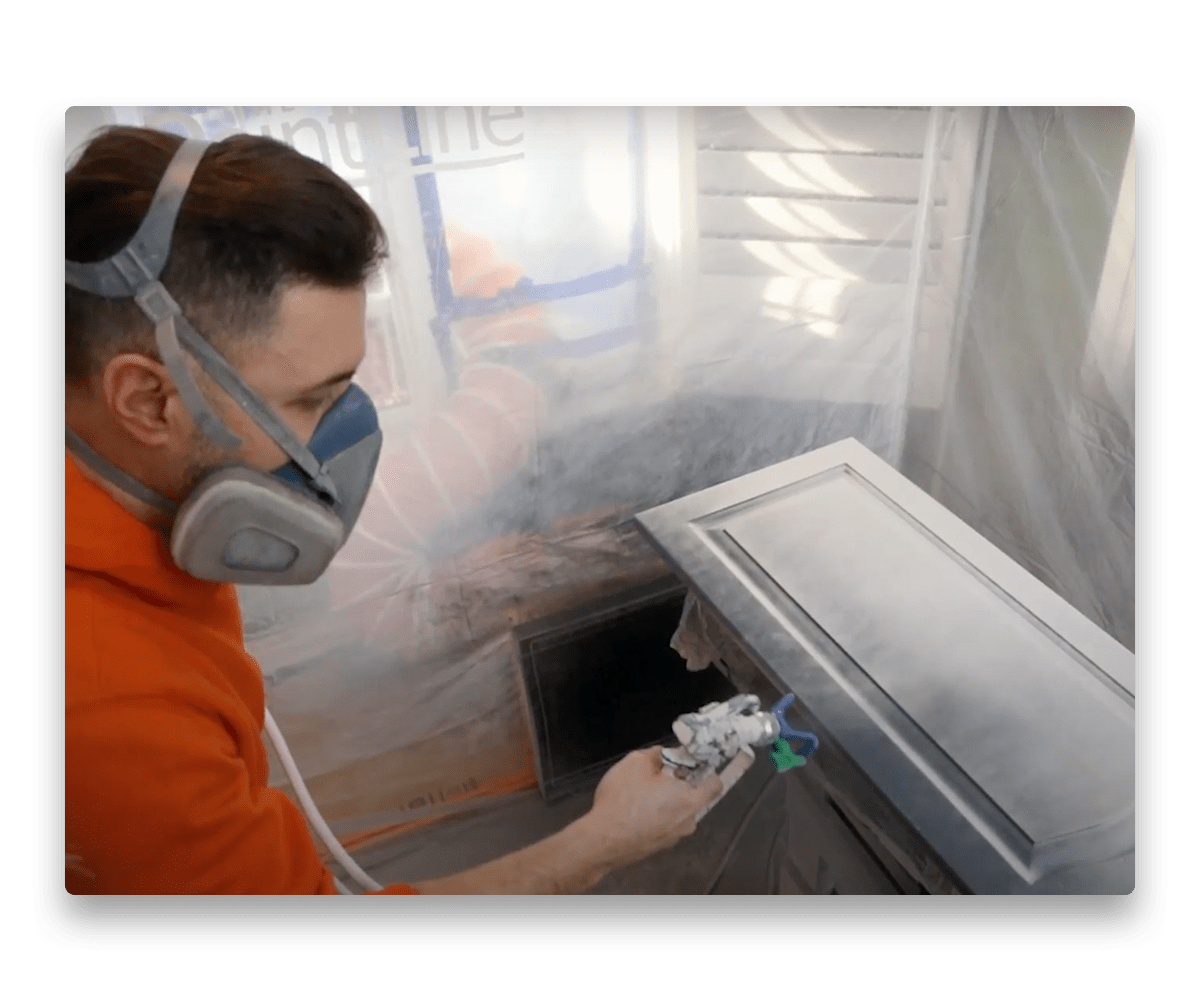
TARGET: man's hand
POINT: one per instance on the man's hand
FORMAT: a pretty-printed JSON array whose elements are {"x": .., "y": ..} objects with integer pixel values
[{"x": 640, "y": 807}]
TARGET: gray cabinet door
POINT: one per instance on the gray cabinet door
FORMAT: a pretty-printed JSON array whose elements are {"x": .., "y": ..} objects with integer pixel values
[{"x": 994, "y": 717}]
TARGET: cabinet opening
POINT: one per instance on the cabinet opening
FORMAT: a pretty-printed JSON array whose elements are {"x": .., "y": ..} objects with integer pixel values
[{"x": 603, "y": 680}]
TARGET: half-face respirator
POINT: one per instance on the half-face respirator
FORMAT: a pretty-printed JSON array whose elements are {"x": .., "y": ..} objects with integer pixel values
[{"x": 239, "y": 524}]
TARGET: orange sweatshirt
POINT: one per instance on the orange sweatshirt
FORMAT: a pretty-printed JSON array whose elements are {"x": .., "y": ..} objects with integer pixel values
[{"x": 166, "y": 773}]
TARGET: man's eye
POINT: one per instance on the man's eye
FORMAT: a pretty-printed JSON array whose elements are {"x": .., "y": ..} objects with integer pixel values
[{"x": 313, "y": 405}]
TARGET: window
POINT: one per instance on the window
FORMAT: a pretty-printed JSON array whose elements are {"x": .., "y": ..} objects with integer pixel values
[{"x": 845, "y": 232}]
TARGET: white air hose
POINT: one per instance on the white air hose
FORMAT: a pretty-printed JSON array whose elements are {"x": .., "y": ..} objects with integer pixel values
[{"x": 314, "y": 815}]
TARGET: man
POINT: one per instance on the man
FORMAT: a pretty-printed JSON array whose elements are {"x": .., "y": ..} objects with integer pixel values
[{"x": 166, "y": 775}]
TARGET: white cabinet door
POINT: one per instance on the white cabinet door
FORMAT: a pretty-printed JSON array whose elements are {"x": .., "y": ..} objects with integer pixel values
[{"x": 994, "y": 717}]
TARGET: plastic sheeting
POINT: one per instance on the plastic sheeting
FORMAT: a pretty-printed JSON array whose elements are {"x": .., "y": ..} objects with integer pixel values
[{"x": 588, "y": 312}]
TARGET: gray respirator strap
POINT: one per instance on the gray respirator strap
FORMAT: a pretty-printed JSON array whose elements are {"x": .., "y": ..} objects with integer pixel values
[
  {"x": 115, "y": 476},
  {"x": 163, "y": 311},
  {"x": 143, "y": 257},
  {"x": 172, "y": 327},
  {"x": 226, "y": 376},
  {"x": 134, "y": 270}
]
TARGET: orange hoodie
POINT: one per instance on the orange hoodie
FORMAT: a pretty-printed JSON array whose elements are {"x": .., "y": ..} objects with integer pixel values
[{"x": 166, "y": 773}]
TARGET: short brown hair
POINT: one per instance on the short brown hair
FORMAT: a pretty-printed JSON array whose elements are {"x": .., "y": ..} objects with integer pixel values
[{"x": 257, "y": 218}]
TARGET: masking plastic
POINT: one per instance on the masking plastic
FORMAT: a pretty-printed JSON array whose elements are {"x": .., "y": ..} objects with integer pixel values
[{"x": 713, "y": 291}]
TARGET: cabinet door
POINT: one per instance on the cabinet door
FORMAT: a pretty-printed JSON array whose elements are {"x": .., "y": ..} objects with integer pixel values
[{"x": 994, "y": 717}]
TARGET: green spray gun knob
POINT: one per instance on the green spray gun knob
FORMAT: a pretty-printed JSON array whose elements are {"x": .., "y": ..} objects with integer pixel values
[{"x": 785, "y": 757}]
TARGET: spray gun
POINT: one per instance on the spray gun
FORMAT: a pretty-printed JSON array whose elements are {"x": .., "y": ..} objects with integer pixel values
[{"x": 720, "y": 737}]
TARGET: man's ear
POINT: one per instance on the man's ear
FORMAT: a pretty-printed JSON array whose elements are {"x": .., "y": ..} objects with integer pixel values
[{"x": 141, "y": 398}]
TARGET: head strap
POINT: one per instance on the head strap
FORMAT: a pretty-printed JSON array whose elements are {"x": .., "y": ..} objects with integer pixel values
[
  {"x": 133, "y": 272},
  {"x": 141, "y": 261}
]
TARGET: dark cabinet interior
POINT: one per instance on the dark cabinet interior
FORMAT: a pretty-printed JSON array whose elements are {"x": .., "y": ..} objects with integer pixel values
[{"x": 604, "y": 680}]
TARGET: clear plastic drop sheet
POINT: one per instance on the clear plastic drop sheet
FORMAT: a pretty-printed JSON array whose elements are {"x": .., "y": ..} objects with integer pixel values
[{"x": 591, "y": 311}]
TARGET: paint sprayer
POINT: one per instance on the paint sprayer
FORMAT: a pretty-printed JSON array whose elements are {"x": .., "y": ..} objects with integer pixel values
[{"x": 720, "y": 737}]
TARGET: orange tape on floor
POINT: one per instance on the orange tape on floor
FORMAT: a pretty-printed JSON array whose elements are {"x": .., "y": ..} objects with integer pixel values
[{"x": 518, "y": 782}]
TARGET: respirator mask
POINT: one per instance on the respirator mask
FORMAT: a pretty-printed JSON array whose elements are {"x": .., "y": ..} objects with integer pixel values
[{"x": 239, "y": 525}]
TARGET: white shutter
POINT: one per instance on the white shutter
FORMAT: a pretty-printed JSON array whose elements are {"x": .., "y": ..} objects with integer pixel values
[{"x": 812, "y": 214}]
